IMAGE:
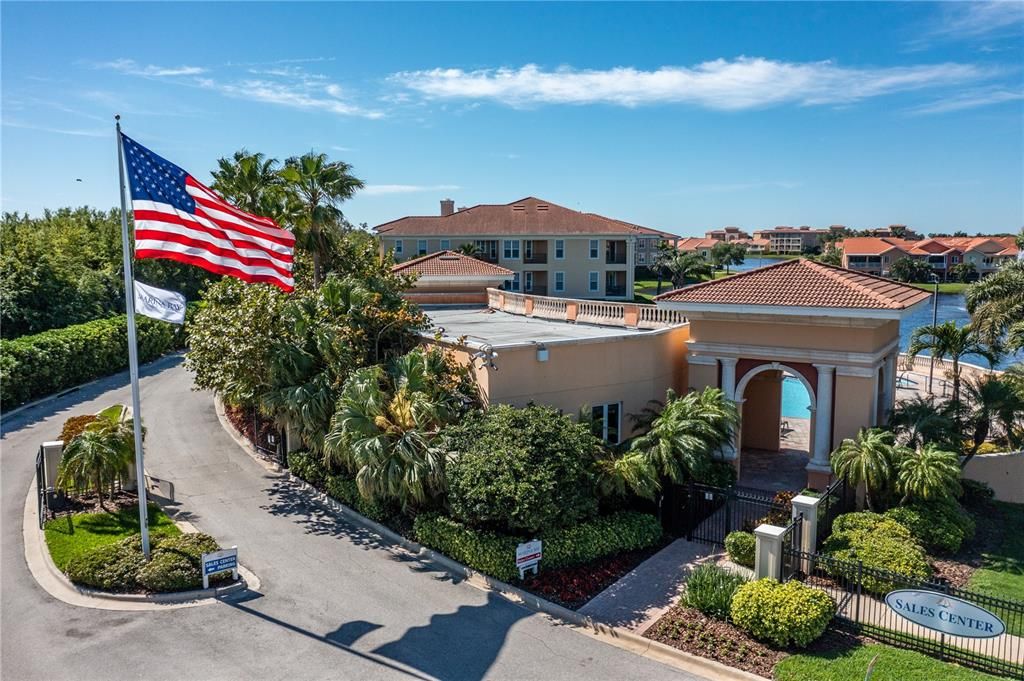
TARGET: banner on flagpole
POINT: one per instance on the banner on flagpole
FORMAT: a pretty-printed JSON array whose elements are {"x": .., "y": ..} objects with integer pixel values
[{"x": 159, "y": 304}]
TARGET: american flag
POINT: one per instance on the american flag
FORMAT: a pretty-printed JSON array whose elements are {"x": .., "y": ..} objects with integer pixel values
[{"x": 179, "y": 218}]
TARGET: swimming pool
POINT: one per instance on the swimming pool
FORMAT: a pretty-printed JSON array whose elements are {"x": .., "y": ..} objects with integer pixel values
[{"x": 795, "y": 399}]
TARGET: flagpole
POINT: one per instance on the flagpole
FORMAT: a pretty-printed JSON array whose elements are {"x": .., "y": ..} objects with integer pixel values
[{"x": 133, "y": 350}]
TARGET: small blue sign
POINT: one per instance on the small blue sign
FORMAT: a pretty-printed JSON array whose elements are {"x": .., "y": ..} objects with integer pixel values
[{"x": 219, "y": 561}]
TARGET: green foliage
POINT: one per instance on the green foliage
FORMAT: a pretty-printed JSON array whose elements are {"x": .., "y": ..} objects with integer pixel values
[
  {"x": 174, "y": 565},
  {"x": 1002, "y": 572},
  {"x": 975, "y": 494},
  {"x": 683, "y": 267},
  {"x": 727, "y": 253},
  {"x": 870, "y": 459},
  {"x": 494, "y": 554},
  {"x": 345, "y": 489},
  {"x": 841, "y": 664},
  {"x": 718, "y": 474},
  {"x": 687, "y": 433},
  {"x": 710, "y": 589},
  {"x": 64, "y": 268},
  {"x": 71, "y": 536},
  {"x": 880, "y": 543},
  {"x": 34, "y": 366},
  {"x": 308, "y": 466},
  {"x": 782, "y": 614},
  {"x": 939, "y": 526},
  {"x": 996, "y": 304},
  {"x": 928, "y": 474},
  {"x": 741, "y": 546},
  {"x": 947, "y": 340},
  {"x": 995, "y": 409},
  {"x": 521, "y": 470},
  {"x": 964, "y": 272},
  {"x": 921, "y": 420},
  {"x": 911, "y": 270},
  {"x": 74, "y": 426}
]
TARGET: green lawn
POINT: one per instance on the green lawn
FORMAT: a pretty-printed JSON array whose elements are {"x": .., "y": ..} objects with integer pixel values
[
  {"x": 70, "y": 536},
  {"x": 1002, "y": 574},
  {"x": 852, "y": 664},
  {"x": 943, "y": 288}
]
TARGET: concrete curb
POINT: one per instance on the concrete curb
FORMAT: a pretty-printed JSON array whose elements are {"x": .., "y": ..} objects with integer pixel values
[
  {"x": 621, "y": 638},
  {"x": 67, "y": 391},
  {"x": 57, "y": 585}
]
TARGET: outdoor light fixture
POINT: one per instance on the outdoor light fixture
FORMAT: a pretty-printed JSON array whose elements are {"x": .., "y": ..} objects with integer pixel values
[{"x": 542, "y": 353}]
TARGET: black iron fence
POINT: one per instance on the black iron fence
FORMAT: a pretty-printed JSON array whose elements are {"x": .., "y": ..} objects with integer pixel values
[
  {"x": 267, "y": 437},
  {"x": 41, "y": 494},
  {"x": 838, "y": 498},
  {"x": 709, "y": 514},
  {"x": 791, "y": 564},
  {"x": 859, "y": 592}
]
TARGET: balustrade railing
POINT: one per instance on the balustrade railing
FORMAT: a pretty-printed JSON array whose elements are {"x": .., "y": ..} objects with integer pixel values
[
  {"x": 606, "y": 313},
  {"x": 653, "y": 317}
]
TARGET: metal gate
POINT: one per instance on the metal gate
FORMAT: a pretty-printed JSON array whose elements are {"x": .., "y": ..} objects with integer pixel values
[
  {"x": 267, "y": 438},
  {"x": 41, "y": 500},
  {"x": 708, "y": 514}
]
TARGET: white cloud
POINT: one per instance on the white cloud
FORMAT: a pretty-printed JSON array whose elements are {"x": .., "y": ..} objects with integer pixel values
[
  {"x": 972, "y": 99},
  {"x": 730, "y": 85},
  {"x": 297, "y": 94},
  {"x": 970, "y": 20},
  {"x": 75, "y": 132},
  {"x": 133, "y": 68},
  {"x": 384, "y": 189}
]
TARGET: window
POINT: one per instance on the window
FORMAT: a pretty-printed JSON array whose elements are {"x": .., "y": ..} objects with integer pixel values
[
  {"x": 595, "y": 282},
  {"x": 511, "y": 249},
  {"x": 513, "y": 283},
  {"x": 446, "y": 245},
  {"x": 595, "y": 246},
  {"x": 527, "y": 281},
  {"x": 528, "y": 249},
  {"x": 605, "y": 420},
  {"x": 641, "y": 258},
  {"x": 559, "y": 281},
  {"x": 421, "y": 247},
  {"x": 559, "y": 249},
  {"x": 398, "y": 247},
  {"x": 956, "y": 258}
]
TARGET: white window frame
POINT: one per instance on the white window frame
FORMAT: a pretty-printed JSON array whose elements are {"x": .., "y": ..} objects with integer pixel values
[
  {"x": 594, "y": 281},
  {"x": 510, "y": 249},
  {"x": 604, "y": 421},
  {"x": 559, "y": 249},
  {"x": 399, "y": 247},
  {"x": 422, "y": 247},
  {"x": 560, "y": 282},
  {"x": 528, "y": 282},
  {"x": 595, "y": 249},
  {"x": 446, "y": 244},
  {"x": 641, "y": 258}
]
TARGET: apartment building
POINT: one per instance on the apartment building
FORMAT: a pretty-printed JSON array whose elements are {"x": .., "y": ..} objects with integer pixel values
[
  {"x": 727, "y": 234},
  {"x": 876, "y": 255},
  {"x": 551, "y": 250},
  {"x": 793, "y": 240}
]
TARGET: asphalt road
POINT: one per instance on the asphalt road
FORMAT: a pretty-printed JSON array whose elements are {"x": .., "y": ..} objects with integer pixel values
[{"x": 334, "y": 602}]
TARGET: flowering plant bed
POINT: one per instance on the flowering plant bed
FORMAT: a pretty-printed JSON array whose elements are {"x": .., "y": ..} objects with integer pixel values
[
  {"x": 573, "y": 587},
  {"x": 692, "y": 631}
]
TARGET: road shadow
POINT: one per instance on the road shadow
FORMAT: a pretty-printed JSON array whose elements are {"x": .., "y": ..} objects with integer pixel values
[{"x": 65, "y": 401}]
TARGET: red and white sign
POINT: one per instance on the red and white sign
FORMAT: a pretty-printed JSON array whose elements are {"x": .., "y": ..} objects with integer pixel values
[{"x": 528, "y": 554}]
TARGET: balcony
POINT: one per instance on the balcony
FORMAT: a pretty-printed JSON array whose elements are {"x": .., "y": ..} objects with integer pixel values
[
  {"x": 615, "y": 291},
  {"x": 615, "y": 253},
  {"x": 535, "y": 252}
]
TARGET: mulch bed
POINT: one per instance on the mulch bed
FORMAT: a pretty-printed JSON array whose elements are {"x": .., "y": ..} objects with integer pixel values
[
  {"x": 988, "y": 535},
  {"x": 694, "y": 632},
  {"x": 575, "y": 586},
  {"x": 69, "y": 504}
]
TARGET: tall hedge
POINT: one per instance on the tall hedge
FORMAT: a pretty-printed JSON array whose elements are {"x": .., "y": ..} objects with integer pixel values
[{"x": 51, "y": 361}]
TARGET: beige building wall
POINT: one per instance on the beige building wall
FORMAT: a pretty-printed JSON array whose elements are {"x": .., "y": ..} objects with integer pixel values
[
  {"x": 762, "y": 411},
  {"x": 854, "y": 402},
  {"x": 576, "y": 264},
  {"x": 798, "y": 336},
  {"x": 631, "y": 370},
  {"x": 1004, "y": 473}
]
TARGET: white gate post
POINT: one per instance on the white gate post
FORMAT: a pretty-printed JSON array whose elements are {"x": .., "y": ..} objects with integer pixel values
[{"x": 768, "y": 551}]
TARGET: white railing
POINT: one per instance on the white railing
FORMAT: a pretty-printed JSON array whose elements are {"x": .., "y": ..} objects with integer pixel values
[
  {"x": 653, "y": 317},
  {"x": 607, "y": 313}
]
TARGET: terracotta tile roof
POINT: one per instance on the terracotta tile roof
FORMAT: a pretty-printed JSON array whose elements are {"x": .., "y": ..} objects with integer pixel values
[
  {"x": 801, "y": 283},
  {"x": 527, "y": 216},
  {"x": 872, "y": 245},
  {"x": 451, "y": 264},
  {"x": 694, "y": 242}
]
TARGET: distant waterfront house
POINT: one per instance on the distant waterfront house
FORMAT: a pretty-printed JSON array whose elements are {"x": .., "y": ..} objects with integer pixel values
[
  {"x": 550, "y": 250},
  {"x": 793, "y": 240},
  {"x": 727, "y": 234},
  {"x": 876, "y": 255}
]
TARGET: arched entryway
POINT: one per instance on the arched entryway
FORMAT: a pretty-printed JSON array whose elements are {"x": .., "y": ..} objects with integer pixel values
[{"x": 776, "y": 435}]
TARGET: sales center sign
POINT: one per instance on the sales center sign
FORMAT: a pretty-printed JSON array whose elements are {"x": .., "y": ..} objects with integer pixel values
[{"x": 946, "y": 614}]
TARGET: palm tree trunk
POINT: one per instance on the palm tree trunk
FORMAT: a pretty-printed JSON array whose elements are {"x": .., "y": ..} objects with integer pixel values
[{"x": 316, "y": 268}]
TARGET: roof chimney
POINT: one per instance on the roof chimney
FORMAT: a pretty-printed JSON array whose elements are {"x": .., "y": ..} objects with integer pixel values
[{"x": 447, "y": 207}]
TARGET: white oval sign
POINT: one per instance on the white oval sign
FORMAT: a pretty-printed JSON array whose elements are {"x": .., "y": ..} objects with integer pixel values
[{"x": 947, "y": 614}]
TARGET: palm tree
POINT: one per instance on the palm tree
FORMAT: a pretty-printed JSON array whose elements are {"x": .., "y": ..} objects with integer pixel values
[
  {"x": 386, "y": 427},
  {"x": 948, "y": 340},
  {"x": 994, "y": 401},
  {"x": 469, "y": 248},
  {"x": 683, "y": 266},
  {"x": 252, "y": 182},
  {"x": 689, "y": 431},
  {"x": 869, "y": 459},
  {"x": 928, "y": 473},
  {"x": 996, "y": 304},
  {"x": 90, "y": 458},
  {"x": 321, "y": 185},
  {"x": 920, "y": 420}
]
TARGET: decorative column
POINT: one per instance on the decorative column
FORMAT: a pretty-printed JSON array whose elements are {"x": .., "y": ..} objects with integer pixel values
[
  {"x": 889, "y": 385},
  {"x": 729, "y": 451},
  {"x": 819, "y": 469}
]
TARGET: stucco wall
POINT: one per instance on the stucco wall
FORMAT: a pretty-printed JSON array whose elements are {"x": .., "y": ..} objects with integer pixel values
[
  {"x": 803, "y": 336},
  {"x": 854, "y": 401},
  {"x": 762, "y": 409},
  {"x": 1003, "y": 472}
]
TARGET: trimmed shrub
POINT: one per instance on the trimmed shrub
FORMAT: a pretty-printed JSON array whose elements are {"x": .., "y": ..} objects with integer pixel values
[
  {"x": 111, "y": 567},
  {"x": 345, "y": 490},
  {"x": 975, "y": 494},
  {"x": 521, "y": 471},
  {"x": 494, "y": 554},
  {"x": 75, "y": 426},
  {"x": 47, "y": 362},
  {"x": 719, "y": 474},
  {"x": 939, "y": 526},
  {"x": 740, "y": 546},
  {"x": 783, "y": 614},
  {"x": 307, "y": 466},
  {"x": 710, "y": 589},
  {"x": 878, "y": 542},
  {"x": 175, "y": 564}
]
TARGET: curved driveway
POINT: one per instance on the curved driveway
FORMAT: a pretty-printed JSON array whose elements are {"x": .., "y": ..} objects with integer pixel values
[{"x": 335, "y": 602}]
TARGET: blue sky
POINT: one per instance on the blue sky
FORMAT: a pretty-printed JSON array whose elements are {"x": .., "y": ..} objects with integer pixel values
[{"x": 682, "y": 117}]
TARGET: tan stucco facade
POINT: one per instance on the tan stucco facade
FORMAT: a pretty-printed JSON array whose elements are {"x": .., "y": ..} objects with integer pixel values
[{"x": 1004, "y": 473}]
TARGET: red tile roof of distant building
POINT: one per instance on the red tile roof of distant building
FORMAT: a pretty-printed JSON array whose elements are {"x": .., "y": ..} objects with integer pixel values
[{"x": 451, "y": 264}]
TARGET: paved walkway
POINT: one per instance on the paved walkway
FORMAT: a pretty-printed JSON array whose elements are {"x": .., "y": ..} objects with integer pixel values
[
  {"x": 336, "y": 601},
  {"x": 638, "y": 599}
]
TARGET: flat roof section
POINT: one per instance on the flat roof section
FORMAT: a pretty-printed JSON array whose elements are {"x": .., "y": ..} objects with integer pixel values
[{"x": 503, "y": 330}]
